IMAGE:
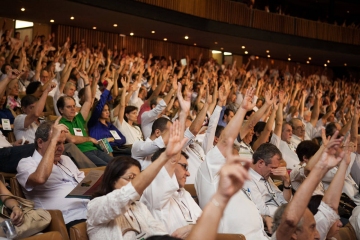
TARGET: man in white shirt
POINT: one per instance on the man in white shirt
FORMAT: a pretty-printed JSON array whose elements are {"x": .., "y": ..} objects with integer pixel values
[
  {"x": 167, "y": 199},
  {"x": 143, "y": 150},
  {"x": 265, "y": 194},
  {"x": 47, "y": 177},
  {"x": 241, "y": 214},
  {"x": 25, "y": 125},
  {"x": 298, "y": 131}
]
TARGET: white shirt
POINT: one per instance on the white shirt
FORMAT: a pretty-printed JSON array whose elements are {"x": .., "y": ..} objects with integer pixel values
[
  {"x": 51, "y": 195},
  {"x": 149, "y": 117},
  {"x": 103, "y": 223},
  {"x": 143, "y": 150},
  {"x": 266, "y": 195},
  {"x": 131, "y": 133},
  {"x": 297, "y": 177},
  {"x": 287, "y": 151},
  {"x": 208, "y": 142},
  {"x": 295, "y": 141},
  {"x": 325, "y": 218},
  {"x": 134, "y": 99},
  {"x": 3, "y": 141},
  {"x": 20, "y": 131},
  {"x": 350, "y": 187},
  {"x": 175, "y": 209},
  {"x": 355, "y": 221},
  {"x": 241, "y": 214}
]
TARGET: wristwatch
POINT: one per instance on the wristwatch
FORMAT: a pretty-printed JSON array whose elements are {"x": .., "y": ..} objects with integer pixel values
[
  {"x": 19, "y": 206},
  {"x": 289, "y": 187}
]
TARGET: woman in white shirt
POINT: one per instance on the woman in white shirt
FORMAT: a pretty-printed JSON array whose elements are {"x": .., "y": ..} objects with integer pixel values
[{"x": 128, "y": 127}]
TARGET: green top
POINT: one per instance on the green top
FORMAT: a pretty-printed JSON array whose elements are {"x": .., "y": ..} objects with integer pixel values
[{"x": 78, "y": 124}]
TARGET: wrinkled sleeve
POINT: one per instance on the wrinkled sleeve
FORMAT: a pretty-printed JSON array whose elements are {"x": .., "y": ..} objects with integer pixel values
[{"x": 325, "y": 218}]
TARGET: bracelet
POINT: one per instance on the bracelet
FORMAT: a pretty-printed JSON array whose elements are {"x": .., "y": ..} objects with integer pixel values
[{"x": 88, "y": 84}]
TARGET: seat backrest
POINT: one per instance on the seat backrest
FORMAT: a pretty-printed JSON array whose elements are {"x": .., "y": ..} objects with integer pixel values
[
  {"x": 57, "y": 224},
  {"x": 46, "y": 236},
  {"x": 16, "y": 188},
  {"x": 50, "y": 105},
  {"x": 191, "y": 189},
  {"x": 227, "y": 236},
  {"x": 78, "y": 232}
]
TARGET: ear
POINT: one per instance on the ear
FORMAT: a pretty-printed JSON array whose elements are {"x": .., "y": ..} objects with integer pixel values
[
  {"x": 157, "y": 132},
  {"x": 260, "y": 163},
  {"x": 293, "y": 236},
  {"x": 39, "y": 143}
]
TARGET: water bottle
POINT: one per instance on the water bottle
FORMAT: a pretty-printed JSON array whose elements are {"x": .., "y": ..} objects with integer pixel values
[{"x": 9, "y": 229}]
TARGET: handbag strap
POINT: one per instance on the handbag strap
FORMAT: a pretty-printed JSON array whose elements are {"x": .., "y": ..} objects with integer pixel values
[{"x": 22, "y": 201}]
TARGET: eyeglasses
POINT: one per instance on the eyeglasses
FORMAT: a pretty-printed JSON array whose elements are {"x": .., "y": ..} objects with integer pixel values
[
  {"x": 185, "y": 166},
  {"x": 129, "y": 177},
  {"x": 300, "y": 127}
]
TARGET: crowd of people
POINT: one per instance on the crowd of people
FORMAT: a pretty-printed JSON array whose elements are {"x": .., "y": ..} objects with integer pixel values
[{"x": 271, "y": 152}]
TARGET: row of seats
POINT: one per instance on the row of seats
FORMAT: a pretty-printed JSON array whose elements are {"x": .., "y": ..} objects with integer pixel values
[{"x": 57, "y": 229}]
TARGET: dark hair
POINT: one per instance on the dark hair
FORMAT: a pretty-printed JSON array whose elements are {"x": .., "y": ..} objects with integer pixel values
[
  {"x": 27, "y": 100},
  {"x": 32, "y": 87},
  {"x": 113, "y": 171},
  {"x": 163, "y": 237},
  {"x": 265, "y": 152},
  {"x": 160, "y": 124},
  {"x": 153, "y": 102},
  {"x": 81, "y": 93},
  {"x": 248, "y": 113},
  {"x": 129, "y": 109},
  {"x": 3, "y": 68},
  {"x": 306, "y": 148},
  {"x": 315, "y": 203},
  {"x": 157, "y": 154},
  {"x": 60, "y": 104},
  {"x": 43, "y": 132},
  {"x": 330, "y": 129},
  {"x": 218, "y": 130},
  {"x": 227, "y": 111},
  {"x": 259, "y": 127}
]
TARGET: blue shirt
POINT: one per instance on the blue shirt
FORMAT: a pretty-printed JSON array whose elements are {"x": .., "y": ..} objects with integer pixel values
[
  {"x": 221, "y": 121},
  {"x": 7, "y": 114},
  {"x": 98, "y": 130}
]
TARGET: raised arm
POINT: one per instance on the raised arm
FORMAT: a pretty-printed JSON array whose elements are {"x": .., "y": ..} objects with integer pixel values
[
  {"x": 279, "y": 114},
  {"x": 200, "y": 117},
  {"x": 316, "y": 109},
  {"x": 85, "y": 109},
  {"x": 123, "y": 103},
  {"x": 38, "y": 66}
]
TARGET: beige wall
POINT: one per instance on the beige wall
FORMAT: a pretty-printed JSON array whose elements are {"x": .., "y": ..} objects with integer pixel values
[
  {"x": 218, "y": 57},
  {"x": 42, "y": 29}
]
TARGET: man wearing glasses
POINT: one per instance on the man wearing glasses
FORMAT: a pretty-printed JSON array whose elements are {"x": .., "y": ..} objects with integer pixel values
[
  {"x": 298, "y": 130},
  {"x": 167, "y": 199}
]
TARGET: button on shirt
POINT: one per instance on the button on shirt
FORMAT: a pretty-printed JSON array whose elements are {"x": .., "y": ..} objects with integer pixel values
[
  {"x": 173, "y": 206},
  {"x": 264, "y": 193},
  {"x": 241, "y": 214},
  {"x": 51, "y": 195}
]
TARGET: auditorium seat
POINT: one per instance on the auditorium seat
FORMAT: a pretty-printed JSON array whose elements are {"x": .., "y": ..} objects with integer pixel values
[
  {"x": 46, "y": 236},
  {"x": 57, "y": 220},
  {"x": 191, "y": 189},
  {"x": 78, "y": 232},
  {"x": 227, "y": 236}
]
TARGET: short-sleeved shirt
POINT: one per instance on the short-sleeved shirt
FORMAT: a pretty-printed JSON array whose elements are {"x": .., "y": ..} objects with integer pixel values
[
  {"x": 77, "y": 124},
  {"x": 20, "y": 130}
]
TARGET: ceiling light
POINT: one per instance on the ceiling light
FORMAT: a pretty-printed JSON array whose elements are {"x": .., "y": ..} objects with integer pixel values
[
  {"x": 122, "y": 35},
  {"x": 215, "y": 42},
  {"x": 289, "y": 59},
  {"x": 246, "y": 52},
  {"x": 22, "y": 9},
  {"x": 215, "y": 51},
  {"x": 152, "y": 31},
  {"x": 243, "y": 47},
  {"x": 257, "y": 57},
  {"x": 289, "y": 55},
  {"x": 307, "y": 62},
  {"x": 348, "y": 11},
  {"x": 94, "y": 27},
  {"x": 115, "y": 25},
  {"x": 222, "y": 48},
  {"x": 227, "y": 53},
  {"x": 194, "y": 44},
  {"x": 267, "y": 51},
  {"x": 165, "y": 39},
  {"x": 325, "y": 65},
  {"x": 72, "y": 18},
  {"x": 52, "y": 20},
  {"x": 328, "y": 61},
  {"x": 268, "y": 56},
  {"x": 186, "y": 37},
  {"x": 131, "y": 34},
  {"x": 310, "y": 58},
  {"x": 345, "y": 64}
]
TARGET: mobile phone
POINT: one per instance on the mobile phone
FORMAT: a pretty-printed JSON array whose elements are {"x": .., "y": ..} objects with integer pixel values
[{"x": 183, "y": 61}]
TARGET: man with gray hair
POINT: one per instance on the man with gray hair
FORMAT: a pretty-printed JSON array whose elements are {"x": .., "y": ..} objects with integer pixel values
[{"x": 48, "y": 176}]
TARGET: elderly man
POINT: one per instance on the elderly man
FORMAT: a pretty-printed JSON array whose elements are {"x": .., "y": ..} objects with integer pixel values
[{"x": 48, "y": 176}]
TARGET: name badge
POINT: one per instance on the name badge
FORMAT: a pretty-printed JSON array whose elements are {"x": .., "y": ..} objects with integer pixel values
[
  {"x": 5, "y": 124},
  {"x": 141, "y": 236},
  {"x": 115, "y": 135},
  {"x": 78, "y": 132}
]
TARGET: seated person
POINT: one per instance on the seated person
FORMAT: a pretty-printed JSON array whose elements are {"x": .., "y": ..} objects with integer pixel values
[
  {"x": 76, "y": 125},
  {"x": 25, "y": 124},
  {"x": 99, "y": 125},
  {"x": 264, "y": 193},
  {"x": 143, "y": 150},
  {"x": 167, "y": 199},
  {"x": 47, "y": 177},
  {"x": 6, "y": 114},
  {"x": 120, "y": 215}
]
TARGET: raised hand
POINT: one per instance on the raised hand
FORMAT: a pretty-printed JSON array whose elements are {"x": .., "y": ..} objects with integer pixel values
[
  {"x": 58, "y": 129},
  {"x": 328, "y": 158},
  {"x": 176, "y": 140},
  {"x": 184, "y": 101},
  {"x": 233, "y": 174},
  {"x": 50, "y": 87},
  {"x": 247, "y": 103},
  {"x": 268, "y": 98}
]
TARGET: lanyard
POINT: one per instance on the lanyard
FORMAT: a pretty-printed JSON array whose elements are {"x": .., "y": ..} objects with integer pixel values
[
  {"x": 181, "y": 209},
  {"x": 72, "y": 175},
  {"x": 272, "y": 193},
  {"x": 132, "y": 219}
]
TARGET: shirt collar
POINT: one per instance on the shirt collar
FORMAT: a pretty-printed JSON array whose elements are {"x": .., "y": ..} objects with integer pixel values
[{"x": 254, "y": 175}]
